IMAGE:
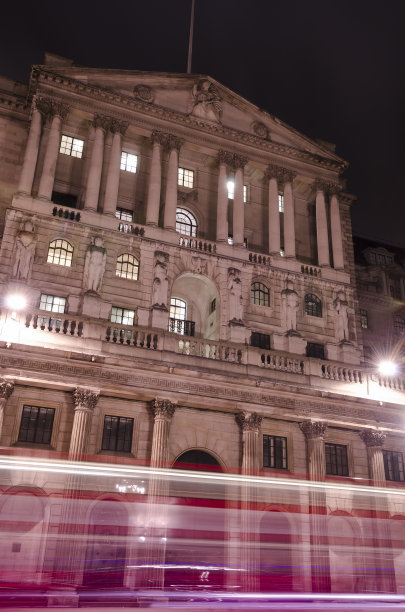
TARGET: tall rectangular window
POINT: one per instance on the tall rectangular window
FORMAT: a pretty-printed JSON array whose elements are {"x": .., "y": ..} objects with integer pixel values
[
  {"x": 36, "y": 425},
  {"x": 117, "y": 434},
  {"x": 123, "y": 316},
  {"x": 129, "y": 162},
  {"x": 364, "y": 319},
  {"x": 336, "y": 459},
  {"x": 394, "y": 465},
  {"x": 231, "y": 190},
  {"x": 71, "y": 146},
  {"x": 280, "y": 203},
  {"x": 52, "y": 303},
  {"x": 275, "y": 452},
  {"x": 186, "y": 178}
]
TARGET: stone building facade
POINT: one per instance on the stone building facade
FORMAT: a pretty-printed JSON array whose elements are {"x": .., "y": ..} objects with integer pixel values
[{"x": 188, "y": 277}]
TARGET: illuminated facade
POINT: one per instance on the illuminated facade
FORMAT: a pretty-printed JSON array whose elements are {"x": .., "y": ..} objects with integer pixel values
[{"x": 187, "y": 267}]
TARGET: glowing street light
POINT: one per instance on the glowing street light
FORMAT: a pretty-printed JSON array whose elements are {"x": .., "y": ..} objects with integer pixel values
[
  {"x": 16, "y": 302},
  {"x": 388, "y": 368}
]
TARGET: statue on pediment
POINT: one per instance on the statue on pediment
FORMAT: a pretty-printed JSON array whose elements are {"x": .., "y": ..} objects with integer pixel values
[
  {"x": 25, "y": 250},
  {"x": 94, "y": 265},
  {"x": 206, "y": 101}
]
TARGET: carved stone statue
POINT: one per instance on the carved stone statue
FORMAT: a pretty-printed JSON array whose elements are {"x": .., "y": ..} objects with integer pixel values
[
  {"x": 24, "y": 253},
  {"x": 289, "y": 306},
  {"x": 160, "y": 280},
  {"x": 206, "y": 102},
  {"x": 341, "y": 317},
  {"x": 94, "y": 265},
  {"x": 235, "y": 295}
]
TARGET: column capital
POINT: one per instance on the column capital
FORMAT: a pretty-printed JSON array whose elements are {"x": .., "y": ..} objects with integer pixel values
[
  {"x": 100, "y": 121},
  {"x": 273, "y": 171},
  {"x": 288, "y": 175},
  {"x": 118, "y": 126},
  {"x": 85, "y": 399},
  {"x": 159, "y": 137},
  {"x": 334, "y": 189},
  {"x": 372, "y": 437},
  {"x": 249, "y": 421},
  {"x": 163, "y": 408},
  {"x": 6, "y": 388},
  {"x": 60, "y": 109},
  {"x": 321, "y": 185},
  {"x": 313, "y": 429},
  {"x": 239, "y": 161},
  {"x": 225, "y": 157},
  {"x": 44, "y": 106},
  {"x": 174, "y": 142}
]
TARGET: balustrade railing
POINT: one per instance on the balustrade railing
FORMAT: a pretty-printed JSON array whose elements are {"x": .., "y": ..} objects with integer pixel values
[
  {"x": 199, "y": 245},
  {"x": 130, "y": 228},
  {"x": 210, "y": 349},
  {"x": 311, "y": 270},
  {"x": 55, "y": 323},
  {"x": 284, "y": 363},
  {"x": 342, "y": 373},
  {"x": 132, "y": 336},
  {"x": 181, "y": 326}
]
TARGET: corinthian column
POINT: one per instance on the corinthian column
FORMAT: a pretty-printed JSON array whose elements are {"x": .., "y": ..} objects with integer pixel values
[
  {"x": 32, "y": 148},
  {"x": 374, "y": 441},
  {"x": 174, "y": 145},
  {"x": 118, "y": 128},
  {"x": 85, "y": 401},
  {"x": 155, "y": 179},
  {"x": 322, "y": 225},
  {"x": 314, "y": 432},
  {"x": 289, "y": 215},
  {"x": 58, "y": 112},
  {"x": 6, "y": 389},
  {"x": 336, "y": 228},
  {"x": 250, "y": 423},
  {"x": 100, "y": 125},
  {"x": 239, "y": 162},
  {"x": 224, "y": 159},
  {"x": 162, "y": 410},
  {"x": 273, "y": 175}
]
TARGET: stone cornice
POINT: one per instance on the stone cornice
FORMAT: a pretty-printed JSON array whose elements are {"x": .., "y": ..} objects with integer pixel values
[{"x": 127, "y": 103}]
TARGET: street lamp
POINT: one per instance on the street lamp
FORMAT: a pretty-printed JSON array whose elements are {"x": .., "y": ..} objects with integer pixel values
[{"x": 387, "y": 368}]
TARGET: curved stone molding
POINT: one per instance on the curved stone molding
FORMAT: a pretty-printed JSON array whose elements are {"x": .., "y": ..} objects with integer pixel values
[
  {"x": 85, "y": 398},
  {"x": 372, "y": 437},
  {"x": 249, "y": 421},
  {"x": 313, "y": 429},
  {"x": 6, "y": 389},
  {"x": 163, "y": 408},
  {"x": 144, "y": 93}
]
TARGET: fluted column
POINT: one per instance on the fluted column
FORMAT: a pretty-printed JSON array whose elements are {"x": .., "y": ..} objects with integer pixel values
[
  {"x": 336, "y": 228},
  {"x": 58, "y": 112},
  {"x": 273, "y": 175},
  {"x": 374, "y": 441},
  {"x": 100, "y": 125},
  {"x": 85, "y": 401},
  {"x": 239, "y": 162},
  {"x": 40, "y": 106},
  {"x": 155, "y": 179},
  {"x": 250, "y": 423},
  {"x": 174, "y": 145},
  {"x": 322, "y": 225},
  {"x": 224, "y": 159},
  {"x": 162, "y": 410},
  {"x": 118, "y": 128},
  {"x": 6, "y": 389},
  {"x": 289, "y": 215},
  {"x": 320, "y": 564}
]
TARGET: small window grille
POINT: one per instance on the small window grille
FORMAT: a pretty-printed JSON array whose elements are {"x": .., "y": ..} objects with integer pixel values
[
  {"x": 259, "y": 294},
  {"x": 313, "y": 305},
  {"x": 186, "y": 223}
]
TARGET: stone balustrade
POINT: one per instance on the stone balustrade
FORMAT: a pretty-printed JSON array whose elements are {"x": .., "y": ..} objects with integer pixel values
[
  {"x": 311, "y": 270},
  {"x": 210, "y": 349},
  {"x": 130, "y": 228},
  {"x": 280, "y": 361},
  {"x": 198, "y": 245},
  {"x": 132, "y": 336},
  {"x": 342, "y": 373},
  {"x": 55, "y": 323}
]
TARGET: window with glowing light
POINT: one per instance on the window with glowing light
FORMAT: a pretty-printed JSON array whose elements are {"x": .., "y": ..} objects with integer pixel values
[
  {"x": 231, "y": 190},
  {"x": 127, "y": 267},
  {"x": 117, "y": 434},
  {"x": 71, "y": 146},
  {"x": 36, "y": 425},
  {"x": 124, "y": 214},
  {"x": 129, "y": 162},
  {"x": 280, "y": 203},
  {"x": 123, "y": 316},
  {"x": 364, "y": 319},
  {"x": 178, "y": 308},
  {"x": 60, "y": 252},
  {"x": 186, "y": 178},
  {"x": 186, "y": 223},
  {"x": 52, "y": 303}
]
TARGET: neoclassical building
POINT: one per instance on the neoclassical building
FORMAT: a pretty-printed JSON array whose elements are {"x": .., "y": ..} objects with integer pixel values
[{"x": 178, "y": 286}]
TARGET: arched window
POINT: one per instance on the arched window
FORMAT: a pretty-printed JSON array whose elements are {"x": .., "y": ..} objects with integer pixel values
[
  {"x": 60, "y": 252},
  {"x": 259, "y": 294},
  {"x": 399, "y": 324},
  {"x": 313, "y": 305},
  {"x": 178, "y": 309},
  {"x": 127, "y": 266},
  {"x": 177, "y": 318},
  {"x": 186, "y": 223}
]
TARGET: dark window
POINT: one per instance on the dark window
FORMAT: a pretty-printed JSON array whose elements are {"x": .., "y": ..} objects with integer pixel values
[
  {"x": 399, "y": 324},
  {"x": 364, "y": 319},
  {"x": 395, "y": 288},
  {"x": 259, "y": 294},
  {"x": 394, "y": 465},
  {"x": 36, "y": 425},
  {"x": 336, "y": 459},
  {"x": 213, "y": 305},
  {"x": 260, "y": 340},
  {"x": 315, "y": 350},
  {"x": 117, "y": 434},
  {"x": 368, "y": 353},
  {"x": 64, "y": 199},
  {"x": 275, "y": 452},
  {"x": 313, "y": 305}
]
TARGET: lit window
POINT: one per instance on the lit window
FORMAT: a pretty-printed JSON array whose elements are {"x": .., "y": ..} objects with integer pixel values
[
  {"x": 117, "y": 434},
  {"x": 123, "y": 316},
  {"x": 336, "y": 460},
  {"x": 52, "y": 303},
  {"x": 178, "y": 308},
  {"x": 230, "y": 241},
  {"x": 394, "y": 465},
  {"x": 186, "y": 178},
  {"x": 280, "y": 203},
  {"x": 275, "y": 452},
  {"x": 260, "y": 340},
  {"x": 129, "y": 162},
  {"x": 364, "y": 319},
  {"x": 231, "y": 190},
  {"x": 315, "y": 350},
  {"x": 259, "y": 294},
  {"x": 60, "y": 252},
  {"x": 245, "y": 193},
  {"x": 186, "y": 223},
  {"x": 313, "y": 305},
  {"x": 36, "y": 425},
  {"x": 124, "y": 214},
  {"x": 399, "y": 324},
  {"x": 71, "y": 146},
  {"x": 127, "y": 267},
  {"x": 177, "y": 318}
]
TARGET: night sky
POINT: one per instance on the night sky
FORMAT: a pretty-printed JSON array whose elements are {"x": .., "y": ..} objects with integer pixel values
[{"x": 331, "y": 69}]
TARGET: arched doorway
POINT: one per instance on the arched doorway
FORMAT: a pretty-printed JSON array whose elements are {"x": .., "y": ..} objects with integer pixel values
[
  {"x": 194, "y": 305},
  {"x": 275, "y": 553}
]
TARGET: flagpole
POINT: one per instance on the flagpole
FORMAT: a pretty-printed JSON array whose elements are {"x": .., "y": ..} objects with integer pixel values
[{"x": 190, "y": 39}]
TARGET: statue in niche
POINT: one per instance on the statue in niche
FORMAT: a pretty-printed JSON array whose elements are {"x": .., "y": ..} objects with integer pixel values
[
  {"x": 160, "y": 280},
  {"x": 94, "y": 265},
  {"x": 289, "y": 306},
  {"x": 206, "y": 102},
  {"x": 341, "y": 317},
  {"x": 235, "y": 295},
  {"x": 24, "y": 252}
]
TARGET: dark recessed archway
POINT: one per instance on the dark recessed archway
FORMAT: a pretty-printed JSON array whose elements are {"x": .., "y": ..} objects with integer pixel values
[{"x": 197, "y": 459}]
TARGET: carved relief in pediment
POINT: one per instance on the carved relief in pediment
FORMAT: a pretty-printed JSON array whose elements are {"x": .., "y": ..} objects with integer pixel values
[
  {"x": 206, "y": 102},
  {"x": 144, "y": 93}
]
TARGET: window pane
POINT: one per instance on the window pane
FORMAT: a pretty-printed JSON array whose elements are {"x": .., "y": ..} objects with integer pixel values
[
  {"x": 36, "y": 425},
  {"x": 52, "y": 303},
  {"x": 117, "y": 434},
  {"x": 122, "y": 316},
  {"x": 186, "y": 223},
  {"x": 275, "y": 452},
  {"x": 280, "y": 203},
  {"x": 260, "y": 340},
  {"x": 186, "y": 178},
  {"x": 259, "y": 294},
  {"x": 71, "y": 146},
  {"x": 60, "y": 252},
  {"x": 124, "y": 214},
  {"x": 178, "y": 309},
  {"x": 127, "y": 266},
  {"x": 313, "y": 305},
  {"x": 129, "y": 162},
  {"x": 336, "y": 459}
]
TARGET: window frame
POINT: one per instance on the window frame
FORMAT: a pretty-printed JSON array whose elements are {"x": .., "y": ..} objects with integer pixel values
[
  {"x": 68, "y": 151},
  {"x": 315, "y": 347},
  {"x": 54, "y": 297},
  {"x": 181, "y": 177},
  {"x": 263, "y": 340},
  {"x": 363, "y": 318},
  {"x": 61, "y": 247},
  {"x": 124, "y": 274},
  {"x": 393, "y": 453},
  {"x": 313, "y": 305},
  {"x": 337, "y": 447},
  {"x": 124, "y": 165},
  {"x": 123, "y": 213},
  {"x": 126, "y": 450},
  {"x": 284, "y": 450},
  {"x": 123, "y": 315},
  {"x": 48, "y": 410},
  {"x": 192, "y": 224},
  {"x": 257, "y": 288}
]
